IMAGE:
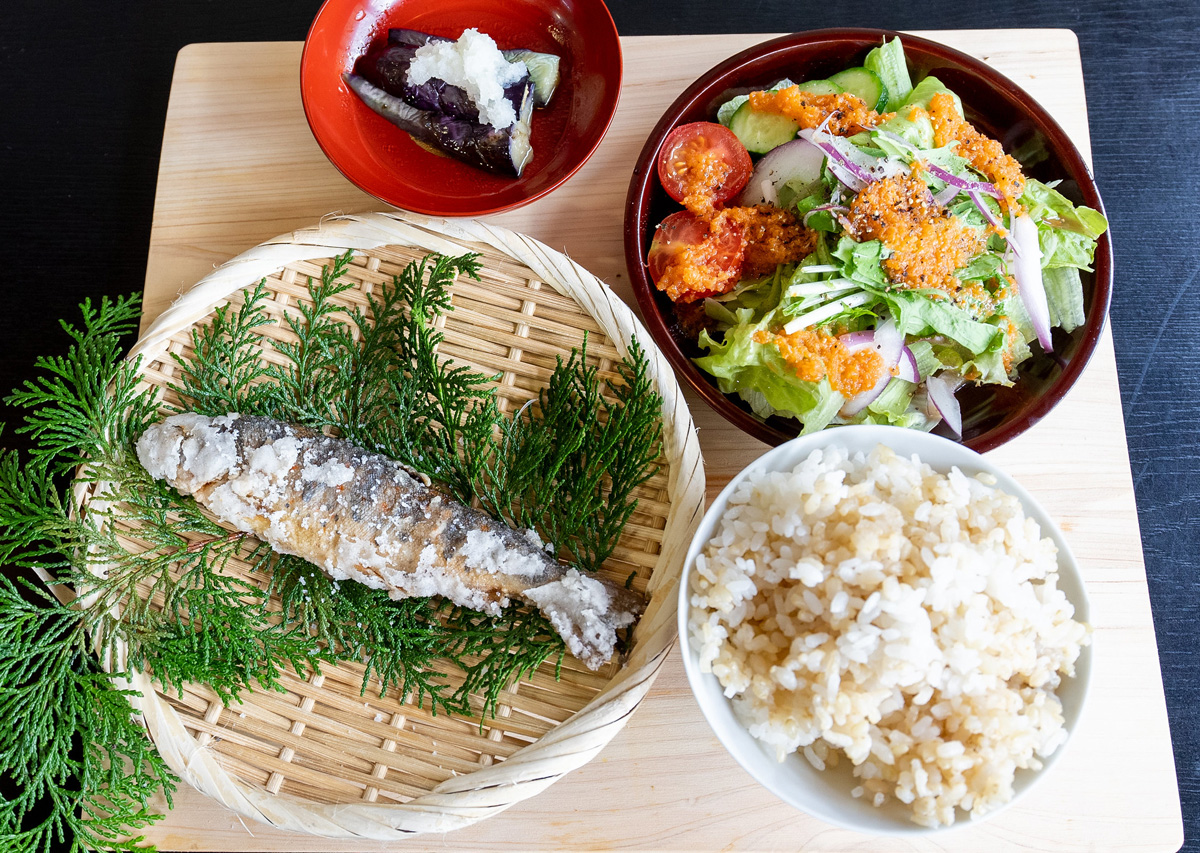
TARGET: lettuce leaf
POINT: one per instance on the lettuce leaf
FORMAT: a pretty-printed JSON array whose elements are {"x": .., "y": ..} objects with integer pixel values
[
  {"x": 917, "y": 134},
  {"x": 1064, "y": 297},
  {"x": 1046, "y": 203},
  {"x": 888, "y": 62},
  {"x": 983, "y": 267},
  {"x": 760, "y": 376},
  {"x": 923, "y": 93},
  {"x": 1065, "y": 248},
  {"x": 921, "y": 317},
  {"x": 862, "y": 263}
]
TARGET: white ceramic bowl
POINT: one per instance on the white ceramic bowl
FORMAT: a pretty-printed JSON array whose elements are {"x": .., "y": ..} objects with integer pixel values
[{"x": 826, "y": 794}]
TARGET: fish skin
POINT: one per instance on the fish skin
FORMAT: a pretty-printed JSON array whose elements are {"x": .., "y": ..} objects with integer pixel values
[{"x": 359, "y": 515}]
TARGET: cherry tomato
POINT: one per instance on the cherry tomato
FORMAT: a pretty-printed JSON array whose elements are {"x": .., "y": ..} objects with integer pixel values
[
  {"x": 713, "y": 269},
  {"x": 703, "y": 159}
]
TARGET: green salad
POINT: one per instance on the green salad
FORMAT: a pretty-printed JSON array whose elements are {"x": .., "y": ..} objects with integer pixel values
[{"x": 914, "y": 256}]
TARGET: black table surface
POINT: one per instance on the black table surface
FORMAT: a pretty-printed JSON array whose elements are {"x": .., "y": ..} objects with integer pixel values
[{"x": 83, "y": 96}]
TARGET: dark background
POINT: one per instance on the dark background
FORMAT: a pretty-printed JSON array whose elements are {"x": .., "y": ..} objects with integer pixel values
[{"x": 83, "y": 95}]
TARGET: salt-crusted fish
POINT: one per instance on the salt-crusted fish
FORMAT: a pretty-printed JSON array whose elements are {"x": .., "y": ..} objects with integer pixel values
[{"x": 362, "y": 516}]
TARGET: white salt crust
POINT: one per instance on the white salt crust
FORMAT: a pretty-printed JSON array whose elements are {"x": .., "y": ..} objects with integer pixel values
[
  {"x": 870, "y": 609},
  {"x": 579, "y": 607},
  {"x": 486, "y": 551}
]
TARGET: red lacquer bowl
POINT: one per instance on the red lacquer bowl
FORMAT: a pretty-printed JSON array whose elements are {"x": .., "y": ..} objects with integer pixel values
[
  {"x": 992, "y": 414},
  {"x": 383, "y": 160}
]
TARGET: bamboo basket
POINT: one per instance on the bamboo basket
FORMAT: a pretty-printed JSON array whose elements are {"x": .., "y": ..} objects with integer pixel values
[{"x": 324, "y": 758}]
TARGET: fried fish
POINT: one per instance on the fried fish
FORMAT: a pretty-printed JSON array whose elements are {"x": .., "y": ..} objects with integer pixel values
[{"x": 361, "y": 516}]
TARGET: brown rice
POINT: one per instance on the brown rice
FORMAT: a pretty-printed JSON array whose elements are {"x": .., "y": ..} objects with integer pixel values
[{"x": 869, "y": 607}]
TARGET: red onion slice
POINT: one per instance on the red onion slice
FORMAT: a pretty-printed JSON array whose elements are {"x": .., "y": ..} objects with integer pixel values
[
  {"x": 848, "y": 176},
  {"x": 860, "y": 401},
  {"x": 854, "y": 341},
  {"x": 888, "y": 341},
  {"x": 1027, "y": 264},
  {"x": 839, "y": 163},
  {"x": 963, "y": 183},
  {"x": 907, "y": 367},
  {"x": 798, "y": 160},
  {"x": 941, "y": 390},
  {"x": 984, "y": 209},
  {"x": 949, "y": 194}
]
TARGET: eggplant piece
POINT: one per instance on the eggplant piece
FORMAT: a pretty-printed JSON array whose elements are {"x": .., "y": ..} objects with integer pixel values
[
  {"x": 411, "y": 38},
  {"x": 543, "y": 67},
  {"x": 503, "y": 152},
  {"x": 388, "y": 69}
]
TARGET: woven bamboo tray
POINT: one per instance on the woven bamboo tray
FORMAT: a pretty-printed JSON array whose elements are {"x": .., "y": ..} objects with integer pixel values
[{"x": 324, "y": 759}]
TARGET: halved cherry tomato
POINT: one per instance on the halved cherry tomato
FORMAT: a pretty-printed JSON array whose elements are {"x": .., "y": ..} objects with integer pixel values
[
  {"x": 691, "y": 259},
  {"x": 703, "y": 161}
]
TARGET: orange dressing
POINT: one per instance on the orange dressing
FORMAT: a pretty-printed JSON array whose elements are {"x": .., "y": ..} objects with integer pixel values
[
  {"x": 700, "y": 270},
  {"x": 985, "y": 154},
  {"x": 767, "y": 237},
  {"x": 815, "y": 354},
  {"x": 847, "y": 114},
  {"x": 703, "y": 172},
  {"x": 928, "y": 244},
  {"x": 773, "y": 237}
]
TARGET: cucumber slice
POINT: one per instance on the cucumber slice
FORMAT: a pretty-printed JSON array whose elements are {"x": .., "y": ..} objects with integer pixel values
[
  {"x": 759, "y": 131},
  {"x": 543, "y": 71},
  {"x": 865, "y": 84},
  {"x": 821, "y": 87}
]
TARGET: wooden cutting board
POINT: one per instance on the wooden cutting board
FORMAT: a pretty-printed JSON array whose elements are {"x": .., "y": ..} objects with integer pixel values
[{"x": 239, "y": 166}]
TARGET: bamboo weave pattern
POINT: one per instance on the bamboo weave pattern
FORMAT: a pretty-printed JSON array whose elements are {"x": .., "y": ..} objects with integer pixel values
[{"x": 320, "y": 757}]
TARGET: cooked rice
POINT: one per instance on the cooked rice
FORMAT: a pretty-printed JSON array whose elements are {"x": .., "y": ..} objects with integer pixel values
[{"x": 870, "y": 607}]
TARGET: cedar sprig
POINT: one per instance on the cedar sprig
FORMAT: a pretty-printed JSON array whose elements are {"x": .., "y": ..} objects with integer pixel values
[
  {"x": 568, "y": 468},
  {"x": 83, "y": 768},
  {"x": 85, "y": 402},
  {"x": 230, "y": 380}
]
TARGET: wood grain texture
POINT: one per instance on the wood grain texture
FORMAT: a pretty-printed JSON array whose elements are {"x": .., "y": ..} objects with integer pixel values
[{"x": 239, "y": 166}]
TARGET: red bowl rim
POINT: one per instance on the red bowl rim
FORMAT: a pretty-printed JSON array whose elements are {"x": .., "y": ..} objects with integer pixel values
[
  {"x": 390, "y": 198},
  {"x": 642, "y": 184}
]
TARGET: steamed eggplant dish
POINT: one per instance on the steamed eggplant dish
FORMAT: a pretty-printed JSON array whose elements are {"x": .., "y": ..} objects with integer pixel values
[
  {"x": 363, "y": 517},
  {"x": 465, "y": 98},
  {"x": 853, "y": 250}
]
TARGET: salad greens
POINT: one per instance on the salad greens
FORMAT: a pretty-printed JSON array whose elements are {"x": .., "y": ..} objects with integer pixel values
[{"x": 1007, "y": 301}]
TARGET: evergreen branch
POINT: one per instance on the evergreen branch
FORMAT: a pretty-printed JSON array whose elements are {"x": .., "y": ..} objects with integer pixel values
[
  {"x": 313, "y": 376},
  {"x": 229, "y": 379},
  {"x": 493, "y": 659},
  {"x": 442, "y": 415},
  {"x": 86, "y": 402},
  {"x": 71, "y": 739},
  {"x": 569, "y": 469}
]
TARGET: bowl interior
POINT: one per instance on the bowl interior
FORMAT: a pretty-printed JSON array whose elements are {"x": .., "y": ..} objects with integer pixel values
[
  {"x": 384, "y": 161},
  {"x": 826, "y": 794},
  {"x": 996, "y": 105}
]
